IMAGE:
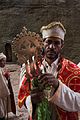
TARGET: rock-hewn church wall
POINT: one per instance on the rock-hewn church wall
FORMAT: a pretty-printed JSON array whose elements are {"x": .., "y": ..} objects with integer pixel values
[{"x": 14, "y": 14}]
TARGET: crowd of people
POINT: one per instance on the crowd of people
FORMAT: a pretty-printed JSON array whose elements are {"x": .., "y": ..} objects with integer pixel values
[{"x": 61, "y": 75}]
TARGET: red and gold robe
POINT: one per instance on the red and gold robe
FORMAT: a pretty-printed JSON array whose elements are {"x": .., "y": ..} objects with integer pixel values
[{"x": 69, "y": 74}]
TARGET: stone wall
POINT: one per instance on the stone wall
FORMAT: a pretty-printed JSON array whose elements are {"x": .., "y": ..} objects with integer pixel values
[{"x": 14, "y": 14}]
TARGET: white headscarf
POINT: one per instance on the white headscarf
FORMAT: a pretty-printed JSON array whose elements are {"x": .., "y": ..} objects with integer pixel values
[{"x": 2, "y": 56}]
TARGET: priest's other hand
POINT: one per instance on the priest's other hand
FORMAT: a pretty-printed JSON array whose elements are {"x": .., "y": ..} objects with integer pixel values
[
  {"x": 36, "y": 95},
  {"x": 48, "y": 79}
]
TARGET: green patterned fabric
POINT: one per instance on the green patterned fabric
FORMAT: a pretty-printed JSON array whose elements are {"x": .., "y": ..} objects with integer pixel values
[{"x": 43, "y": 112}]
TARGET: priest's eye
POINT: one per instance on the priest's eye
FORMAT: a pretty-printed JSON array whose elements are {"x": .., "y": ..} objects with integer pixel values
[
  {"x": 52, "y": 42},
  {"x": 56, "y": 43},
  {"x": 49, "y": 41}
]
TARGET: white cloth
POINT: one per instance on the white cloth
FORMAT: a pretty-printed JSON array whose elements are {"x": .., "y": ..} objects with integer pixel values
[
  {"x": 2, "y": 56},
  {"x": 66, "y": 98},
  {"x": 5, "y": 105},
  {"x": 78, "y": 64},
  {"x": 51, "y": 69},
  {"x": 29, "y": 105},
  {"x": 22, "y": 73}
]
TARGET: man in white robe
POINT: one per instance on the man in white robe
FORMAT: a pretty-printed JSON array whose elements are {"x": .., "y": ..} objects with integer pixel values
[{"x": 5, "y": 93}]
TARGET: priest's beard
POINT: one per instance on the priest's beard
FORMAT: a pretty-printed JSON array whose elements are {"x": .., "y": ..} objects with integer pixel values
[{"x": 53, "y": 58}]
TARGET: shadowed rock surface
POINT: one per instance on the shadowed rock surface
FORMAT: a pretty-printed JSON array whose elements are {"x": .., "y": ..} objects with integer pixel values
[{"x": 14, "y": 14}]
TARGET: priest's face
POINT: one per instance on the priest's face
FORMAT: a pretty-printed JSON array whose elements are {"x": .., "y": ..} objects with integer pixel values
[{"x": 52, "y": 47}]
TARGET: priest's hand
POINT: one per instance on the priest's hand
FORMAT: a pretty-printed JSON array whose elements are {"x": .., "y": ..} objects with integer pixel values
[
  {"x": 36, "y": 96},
  {"x": 47, "y": 80}
]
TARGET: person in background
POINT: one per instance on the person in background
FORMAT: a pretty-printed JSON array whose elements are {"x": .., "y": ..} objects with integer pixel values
[{"x": 7, "y": 103}]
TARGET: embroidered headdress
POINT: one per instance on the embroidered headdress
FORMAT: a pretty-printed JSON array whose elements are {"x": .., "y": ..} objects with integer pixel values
[{"x": 54, "y": 29}]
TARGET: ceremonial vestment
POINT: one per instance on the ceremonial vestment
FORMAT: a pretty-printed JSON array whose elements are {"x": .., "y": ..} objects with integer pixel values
[{"x": 69, "y": 74}]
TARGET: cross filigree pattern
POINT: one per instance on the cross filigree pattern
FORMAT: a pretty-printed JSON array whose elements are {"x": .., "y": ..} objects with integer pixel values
[{"x": 26, "y": 44}]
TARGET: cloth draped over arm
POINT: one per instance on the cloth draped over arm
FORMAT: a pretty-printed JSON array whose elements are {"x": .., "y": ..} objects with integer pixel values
[{"x": 66, "y": 98}]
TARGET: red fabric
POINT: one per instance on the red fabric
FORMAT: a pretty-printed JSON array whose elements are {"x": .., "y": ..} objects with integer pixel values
[
  {"x": 25, "y": 88},
  {"x": 7, "y": 75},
  {"x": 69, "y": 74},
  {"x": 24, "y": 91}
]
